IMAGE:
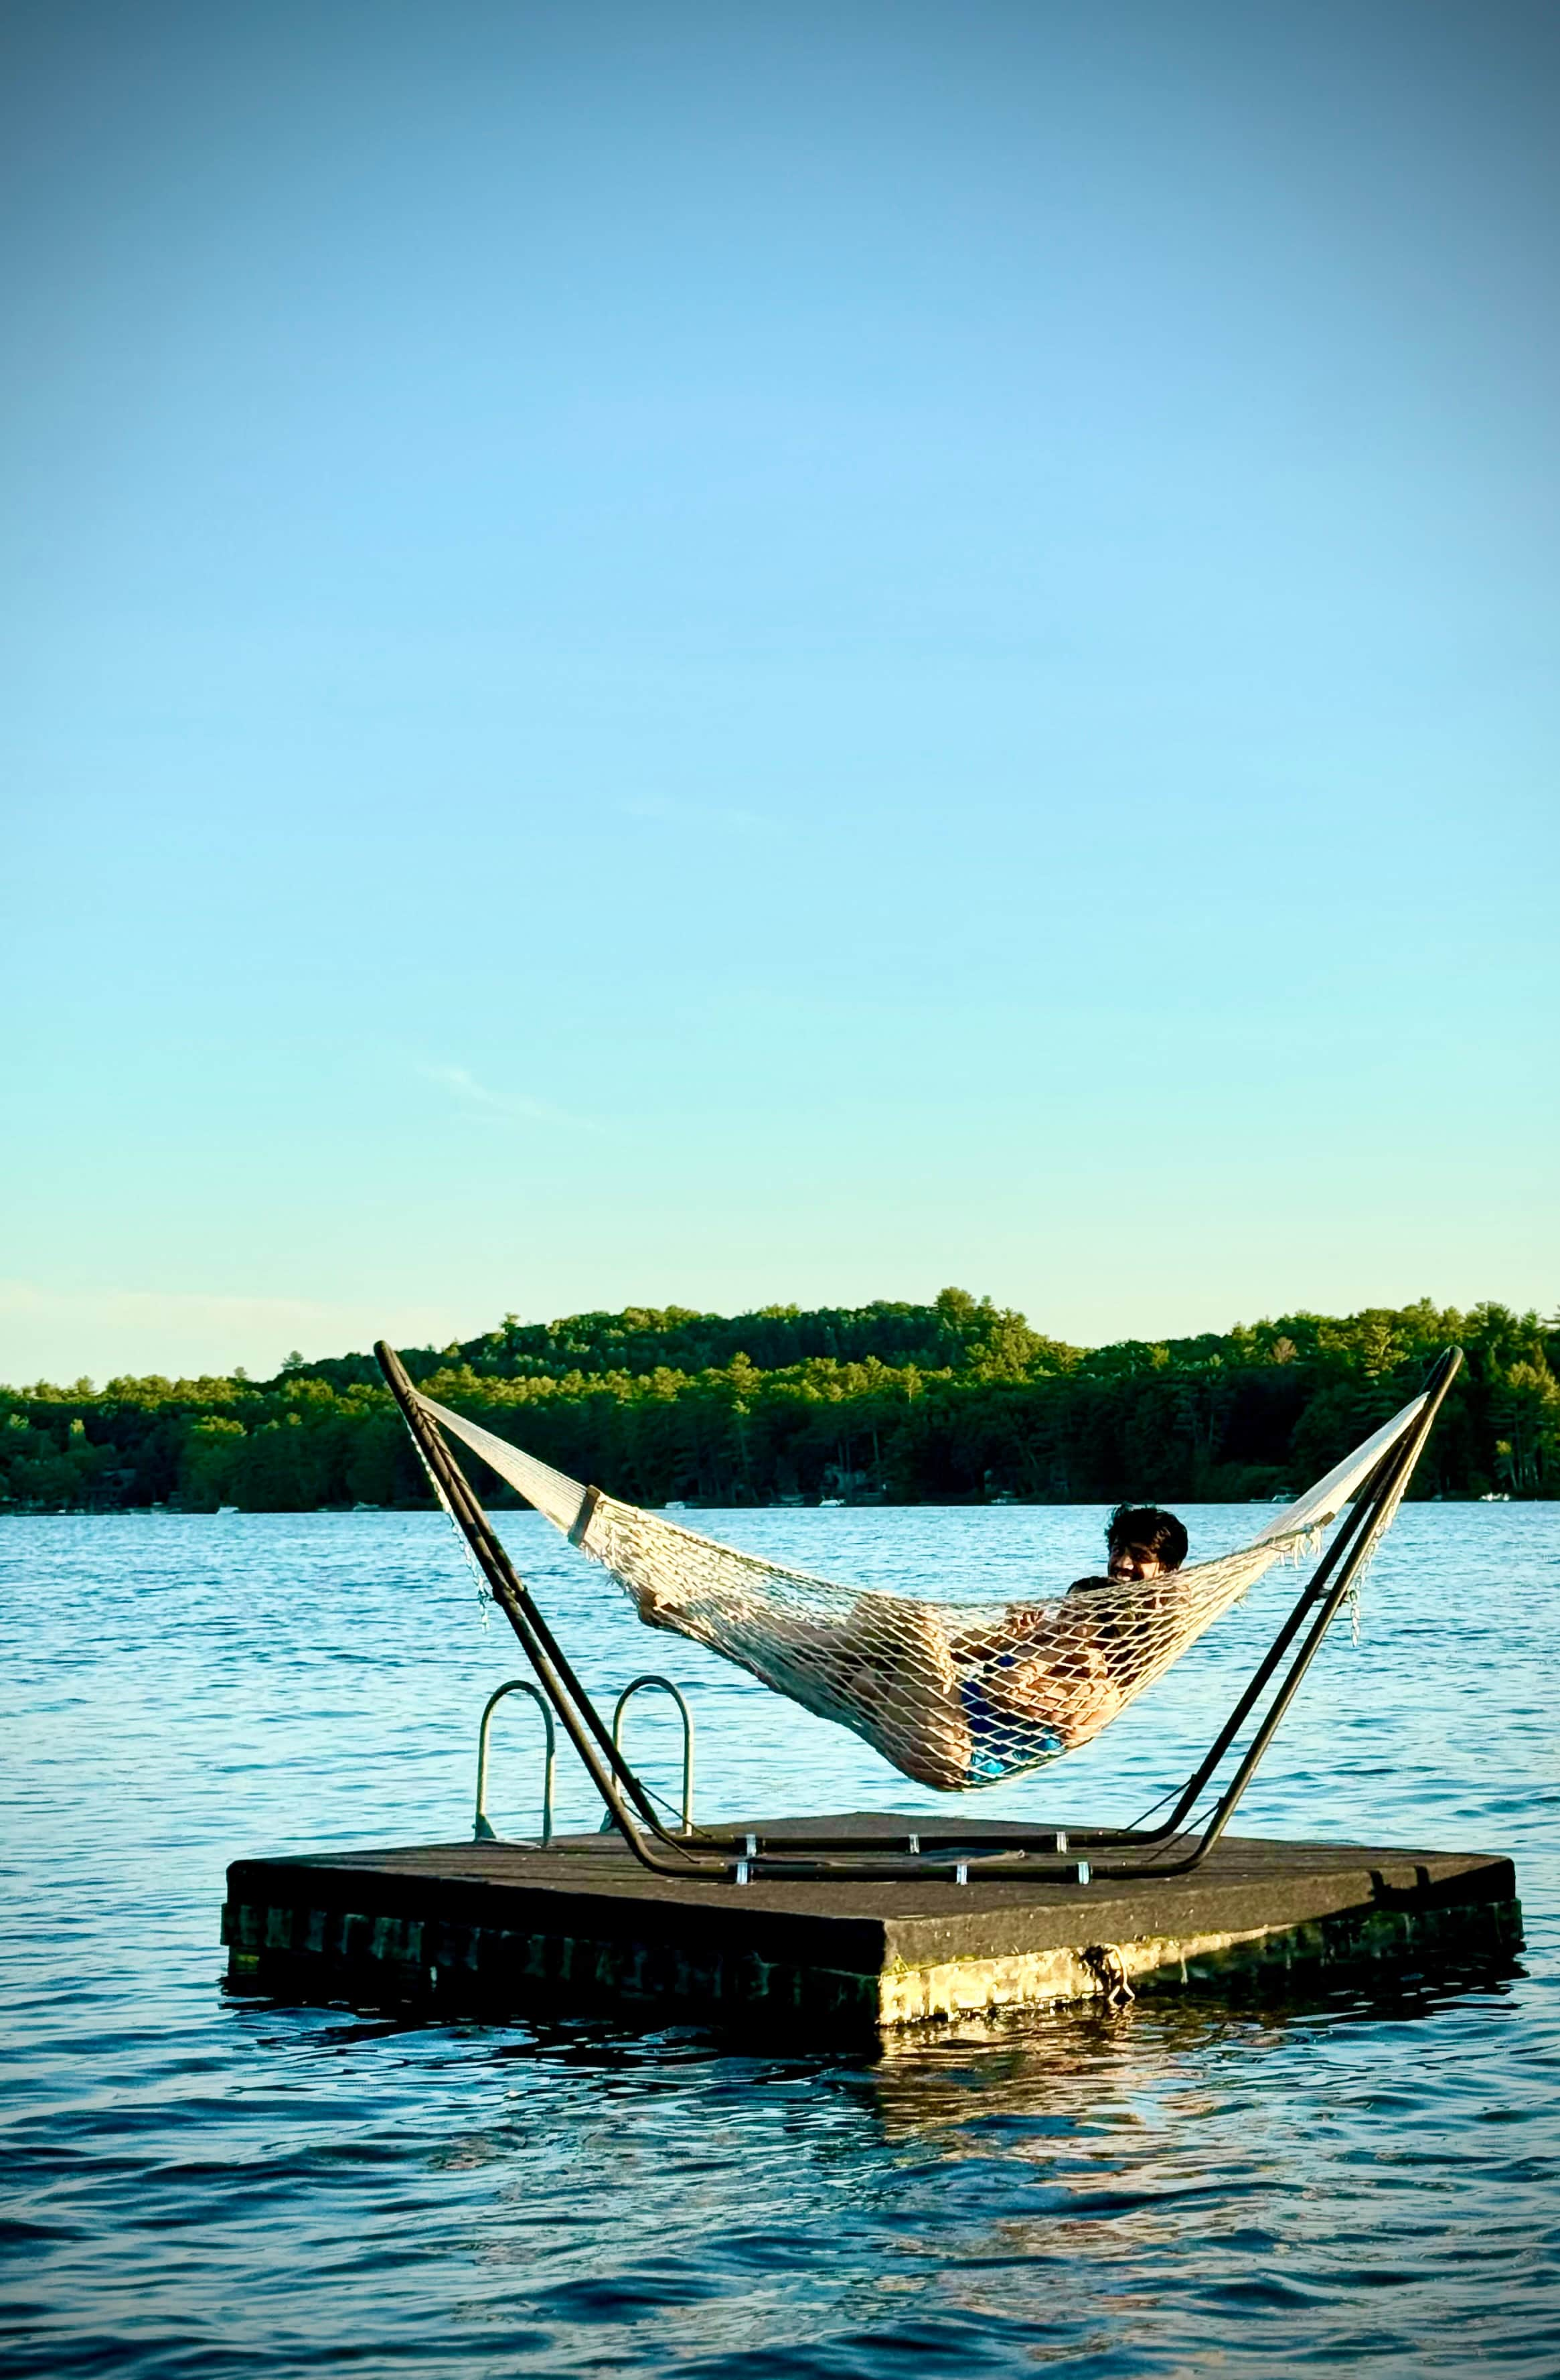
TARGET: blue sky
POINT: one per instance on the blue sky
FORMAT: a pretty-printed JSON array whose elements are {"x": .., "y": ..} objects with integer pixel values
[{"x": 718, "y": 654}]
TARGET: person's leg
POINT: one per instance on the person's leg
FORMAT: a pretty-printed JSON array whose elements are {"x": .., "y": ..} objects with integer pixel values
[{"x": 906, "y": 1685}]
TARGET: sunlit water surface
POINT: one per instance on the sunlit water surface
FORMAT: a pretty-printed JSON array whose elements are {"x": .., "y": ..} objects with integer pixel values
[{"x": 195, "y": 2184}]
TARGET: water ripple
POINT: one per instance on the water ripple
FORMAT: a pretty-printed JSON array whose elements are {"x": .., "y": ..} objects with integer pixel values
[{"x": 197, "y": 2186}]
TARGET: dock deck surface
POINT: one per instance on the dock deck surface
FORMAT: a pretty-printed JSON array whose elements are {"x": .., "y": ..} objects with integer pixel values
[{"x": 582, "y": 1924}]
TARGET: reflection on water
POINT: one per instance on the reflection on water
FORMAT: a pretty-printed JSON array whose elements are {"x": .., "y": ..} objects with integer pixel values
[{"x": 1366, "y": 2180}]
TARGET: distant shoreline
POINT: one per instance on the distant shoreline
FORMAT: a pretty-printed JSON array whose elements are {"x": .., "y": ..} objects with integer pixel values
[
  {"x": 14, "y": 1512},
  {"x": 956, "y": 1402}
]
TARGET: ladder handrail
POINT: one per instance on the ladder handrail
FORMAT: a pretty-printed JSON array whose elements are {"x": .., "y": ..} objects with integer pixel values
[
  {"x": 637, "y": 1685},
  {"x": 481, "y": 1831}
]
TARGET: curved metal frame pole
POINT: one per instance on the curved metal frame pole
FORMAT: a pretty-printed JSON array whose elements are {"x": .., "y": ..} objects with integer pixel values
[
  {"x": 604, "y": 1765},
  {"x": 1366, "y": 1515},
  {"x": 1356, "y": 1529},
  {"x": 609, "y": 1772},
  {"x": 481, "y": 1832},
  {"x": 1107, "y": 1837},
  {"x": 752, "y": 1859},
  {"x": 1251, "y": 1693}
]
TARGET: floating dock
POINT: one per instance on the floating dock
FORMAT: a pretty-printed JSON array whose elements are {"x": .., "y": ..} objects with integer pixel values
[{"x": 511, "y": 1927}]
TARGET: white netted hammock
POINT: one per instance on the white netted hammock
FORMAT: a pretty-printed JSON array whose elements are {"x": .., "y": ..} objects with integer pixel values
[{"x": 955, "y": 1695}]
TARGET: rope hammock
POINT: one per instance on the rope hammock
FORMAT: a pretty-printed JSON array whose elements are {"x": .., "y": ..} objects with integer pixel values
[{"x": 954, "y": 1695}]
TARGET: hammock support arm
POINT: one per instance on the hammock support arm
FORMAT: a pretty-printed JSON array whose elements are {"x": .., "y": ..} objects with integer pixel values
[
  {"x": 616, "y": 1782},
  {"x": 706, "y": 1858},
  {"x": 1323, "y": 1595},
  {"x": 740, "y": 1859}
]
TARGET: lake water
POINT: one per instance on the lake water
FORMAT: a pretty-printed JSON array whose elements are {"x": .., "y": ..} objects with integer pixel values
[{"x": 194, "y": 2184}]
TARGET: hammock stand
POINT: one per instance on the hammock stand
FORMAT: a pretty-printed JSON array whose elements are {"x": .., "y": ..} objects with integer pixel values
[{"x": 1171, "y": 1848}]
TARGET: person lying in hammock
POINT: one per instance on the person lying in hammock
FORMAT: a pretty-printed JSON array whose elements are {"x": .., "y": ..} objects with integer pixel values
[
  {"x": 1142, "y": 1541},
  {"x": 950, "y": 1704},
  {"x": 1048, "y": 1675}
]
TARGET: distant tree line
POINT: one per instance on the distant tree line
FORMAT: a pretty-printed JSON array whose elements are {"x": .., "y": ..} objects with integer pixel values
[{"x": 957, "y": 1401}]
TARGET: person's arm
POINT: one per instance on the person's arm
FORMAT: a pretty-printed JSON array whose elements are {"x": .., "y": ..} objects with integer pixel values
[
  {"x": 1020, "y": 1623},
  {"x": 1069, "y": 1687}
]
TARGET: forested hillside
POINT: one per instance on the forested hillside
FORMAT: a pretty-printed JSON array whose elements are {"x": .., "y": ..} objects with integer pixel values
[{"x": 955, "y": 1401}]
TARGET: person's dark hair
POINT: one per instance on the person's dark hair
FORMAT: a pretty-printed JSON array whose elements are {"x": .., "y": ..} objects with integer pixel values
[{"x": 1148, "y": 1531}]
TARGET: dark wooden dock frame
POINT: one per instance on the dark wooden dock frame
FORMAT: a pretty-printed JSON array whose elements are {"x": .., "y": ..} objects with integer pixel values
[{"x": 508, "y": 1928}]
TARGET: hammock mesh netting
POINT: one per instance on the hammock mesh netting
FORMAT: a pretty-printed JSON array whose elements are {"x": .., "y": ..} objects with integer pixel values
[{"x": 954, "y": 1694}]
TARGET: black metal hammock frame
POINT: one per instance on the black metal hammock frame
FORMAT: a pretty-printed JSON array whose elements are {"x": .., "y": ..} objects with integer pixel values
[{"x": 1178, "y": 1844}]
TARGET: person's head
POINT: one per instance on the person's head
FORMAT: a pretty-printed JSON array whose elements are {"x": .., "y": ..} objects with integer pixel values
[{"x": 1143, "y": 1541}]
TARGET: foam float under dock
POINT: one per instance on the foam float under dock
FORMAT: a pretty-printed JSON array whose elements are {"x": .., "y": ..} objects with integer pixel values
[{"x": 508, "y": 1926}]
